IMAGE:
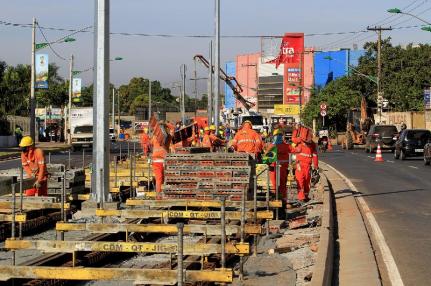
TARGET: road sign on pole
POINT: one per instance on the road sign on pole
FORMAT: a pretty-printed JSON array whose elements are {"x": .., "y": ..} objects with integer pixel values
[
  {"x": 323, "y": 113},
  {"x": 323, "y": 106}
]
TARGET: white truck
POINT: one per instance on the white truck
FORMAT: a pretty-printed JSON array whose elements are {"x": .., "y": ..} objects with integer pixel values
[{"x": 81, "y": 127}]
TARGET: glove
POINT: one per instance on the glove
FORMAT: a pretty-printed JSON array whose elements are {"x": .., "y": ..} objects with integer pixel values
[
  {"x": 231, "y": 149},
  {"x": 37, "y": 185},
  {"x": 293, "y": 145}
]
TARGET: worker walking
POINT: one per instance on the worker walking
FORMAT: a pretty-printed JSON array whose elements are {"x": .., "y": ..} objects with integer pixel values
[
  {"x": 281, "y": 152},
  {"x": 145, "y": 142},
  {"x": 306, "y": 158},
  {"x": 33, "y": 163},
  {"x": 160, "y": 150},
  {"x": 247, "y": 140}
]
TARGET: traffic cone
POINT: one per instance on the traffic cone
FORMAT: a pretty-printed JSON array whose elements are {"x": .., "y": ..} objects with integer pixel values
[{"x": 379, "y": 157}]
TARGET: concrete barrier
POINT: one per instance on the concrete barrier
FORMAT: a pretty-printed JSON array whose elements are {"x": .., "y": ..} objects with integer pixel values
[
  {"x": 323, "y": 269},
  {"x": 7, "y": 141}
]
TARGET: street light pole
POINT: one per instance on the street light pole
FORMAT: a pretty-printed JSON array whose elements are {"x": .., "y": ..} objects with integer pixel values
[
  {"x": 69, "y": 107},
  {"x": 32, "y": 84},
  {"x": 210, "y": 86},
  {"x": 217, "y": 66},
  {"x": 149, "y": 99},
  {"x": 183, "y": 93},
  {"x": 113, "y": 108}
]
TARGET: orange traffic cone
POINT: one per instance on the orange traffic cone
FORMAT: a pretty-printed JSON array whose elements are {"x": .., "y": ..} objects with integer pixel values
[{"x": 379, "y": 157}]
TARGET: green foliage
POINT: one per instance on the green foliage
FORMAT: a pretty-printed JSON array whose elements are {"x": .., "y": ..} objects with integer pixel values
[{"x": 405, "y": 73}]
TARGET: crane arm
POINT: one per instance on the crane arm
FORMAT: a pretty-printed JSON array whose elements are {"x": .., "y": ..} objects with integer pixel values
[{"x": 230, "y": 81}]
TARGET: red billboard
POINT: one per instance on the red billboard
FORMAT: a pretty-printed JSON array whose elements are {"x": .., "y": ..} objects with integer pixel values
[{"x": 291, "y": 49}]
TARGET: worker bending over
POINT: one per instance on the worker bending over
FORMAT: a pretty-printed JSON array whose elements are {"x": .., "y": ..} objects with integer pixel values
[
  {"x": 33, "y": 163},
  {"x": 247, "y": 140}
]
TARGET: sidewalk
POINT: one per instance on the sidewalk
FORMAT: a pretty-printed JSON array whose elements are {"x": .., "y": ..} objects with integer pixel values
[
  {"x": 12, "y": 152},
  {"x": 355, "y": 261}
]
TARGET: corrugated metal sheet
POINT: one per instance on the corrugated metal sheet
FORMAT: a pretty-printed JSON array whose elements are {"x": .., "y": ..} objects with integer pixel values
[
  {"x": 269, "y": 69},
  {"x": 230, "y": 68},
  {"x": 246, "y": 75},
  {"x": 326, "y": 70}
]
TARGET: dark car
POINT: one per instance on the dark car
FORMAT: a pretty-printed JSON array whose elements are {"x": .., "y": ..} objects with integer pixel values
[
  {"x": 411, "y": 143},
  {"x": 386, "y": 135},
  {"x": 427, "y": 152}
]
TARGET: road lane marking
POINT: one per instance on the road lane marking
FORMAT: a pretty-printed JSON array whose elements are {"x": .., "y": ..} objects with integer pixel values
[
  {"x": 389, "y": 161},
  {"x": 370, "y": 156},
  {"x": 413, "y": 167},
  {"x": 388, "y": 259}
]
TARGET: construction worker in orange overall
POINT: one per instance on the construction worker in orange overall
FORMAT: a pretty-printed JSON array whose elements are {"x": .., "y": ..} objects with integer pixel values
[
  {"x": 145, "y": 142},
  {"x": 247, "y": 140},
  {"x": 33, "y": 163},
  {"x": 306, "y": 157},
  {"x": 206, "y": 140},
  {"x": 283, "y": 151},
  {"x": 158, "y": 158}
]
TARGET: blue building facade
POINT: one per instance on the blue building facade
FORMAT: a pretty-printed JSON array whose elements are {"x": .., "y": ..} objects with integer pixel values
[
  {"x": 229, "y": 100},
  {"x": 330, "y": 65}
]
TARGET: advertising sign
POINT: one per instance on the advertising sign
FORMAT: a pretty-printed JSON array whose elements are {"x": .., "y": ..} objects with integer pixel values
[
  {"x": 41, "y": 71},
  {"x": 427, "y": 98},
  {"x": 291, "y": 49},
  {"x": 76, "y": 90},
  {"x": 286, "y": 109}
]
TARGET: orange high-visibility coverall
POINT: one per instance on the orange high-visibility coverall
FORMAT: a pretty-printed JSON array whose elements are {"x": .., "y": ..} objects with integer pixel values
[
  {"x": 206, "y": 140},
  {"x": 33, "y": 163},
  {"x": 283, "y": 151},
  {"x": 145, "y": 143},
  {"x": 306, "y": 155},
  {"x": 247, "y": 140},
  {"x": 158, "y": 159}
]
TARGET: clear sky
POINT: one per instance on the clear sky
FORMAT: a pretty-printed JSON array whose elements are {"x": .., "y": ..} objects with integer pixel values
[{"x": 160, "y": 58}]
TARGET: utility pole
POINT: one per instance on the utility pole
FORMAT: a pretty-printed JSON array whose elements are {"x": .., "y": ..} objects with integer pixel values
[
  {"x": 119, "y": 115},
  {"x": 183, "y": 70},
  {"x": 69, "y": 106},
  {"x": 196, "y": 87},
  {"x": 149, "y": 99},
  {"x": 210, "y": 86},
  {"x": 379, "y": 65},
  {"x": 113, "y": 108},
  {"x": 32, "y": 84},
  {"x": 217, "y": 66},
  {"x": 100, "y": 174}
]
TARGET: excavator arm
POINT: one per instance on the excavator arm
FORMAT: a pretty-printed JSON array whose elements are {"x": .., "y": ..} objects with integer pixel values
[{"x": 230, "y": 81}]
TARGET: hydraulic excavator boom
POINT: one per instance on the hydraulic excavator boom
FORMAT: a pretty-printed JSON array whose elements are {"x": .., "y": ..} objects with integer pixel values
[{"x": 230, "y": 81}]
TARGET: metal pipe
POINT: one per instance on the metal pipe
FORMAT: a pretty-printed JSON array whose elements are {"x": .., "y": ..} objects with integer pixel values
[
  {"x": 68, "y": 164},
  {"x": 21, "y": 198},
  {"x": 115, "y": 170},
  {"x": 223, "y": 232},
  {"x": 131, "y": 177},
  {"x": 49, "y": 158},
  {"x": 83, "y": 158},
  {"x": 134, "y": 160},
  {"x": 121, "y": 149},
  {"x": 210, "y": 85},
  {"x": 128, "y": 150},
  {"x": 242, "y": 235},
  {"x": 63, "y": 196},
  {"x": 217, "y": 66},
  {"x": 268, "y": 189},
  {"x": 180, "y": 274},
  {"x": 69, "y": 105},
  {"x": 13, "y": 219},
  {"x": 277, "y": 185},
  {"x": 255, "y": 212},
  {"x": 32, "y": 83}
]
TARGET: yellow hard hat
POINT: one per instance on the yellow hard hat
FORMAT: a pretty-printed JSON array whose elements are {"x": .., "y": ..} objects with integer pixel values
[
  {"x": 26, "y": 142},
  {"x": 221, "y": 127},
  {"x": 212, "y": 127},
  {"x": 145, "y": 130},
  {"x": 276, "y": 132},
  {"x": 207, "y": 129}
]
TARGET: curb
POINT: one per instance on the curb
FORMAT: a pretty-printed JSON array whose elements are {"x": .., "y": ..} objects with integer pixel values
[{"x": 323, "y": 269}]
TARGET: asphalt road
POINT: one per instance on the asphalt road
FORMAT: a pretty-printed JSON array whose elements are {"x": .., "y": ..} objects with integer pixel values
[
  {"x": 399, "y": 195},
  {"x": 76, "y": 158}
]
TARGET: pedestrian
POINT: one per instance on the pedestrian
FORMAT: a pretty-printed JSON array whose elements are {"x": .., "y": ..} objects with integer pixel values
[
  {"x": 281, "y": 151},
  {"x": 247, "y": 140},
  {"x": 18, "y": 134},
  {"x": 306, "y": 159},
  {"x": 33, "y": 163}
]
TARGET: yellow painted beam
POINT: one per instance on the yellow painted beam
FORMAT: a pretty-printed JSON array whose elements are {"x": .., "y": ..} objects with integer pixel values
[
  {"x": 9, "y": 217},
  {"x": 138, "y": 247},
  {"x": 79, "y": 197},
  {"x": 144, "y": 276},
  {"x": 232, "y": 215},
  {"x": 157, "y": 228},
  {"x": 28, "y": 205},
  {"x": 197, "y": 203}
]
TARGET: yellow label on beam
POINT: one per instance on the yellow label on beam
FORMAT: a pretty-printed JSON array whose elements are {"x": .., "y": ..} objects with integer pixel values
[
  {"x": 138, "y": 247},
  {"x": 233, "y": 215}
]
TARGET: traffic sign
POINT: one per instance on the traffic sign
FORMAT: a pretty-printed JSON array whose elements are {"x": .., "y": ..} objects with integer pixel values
[
  {"x": 323, "y": 113},
  {"x": 323, "y": 106}
]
